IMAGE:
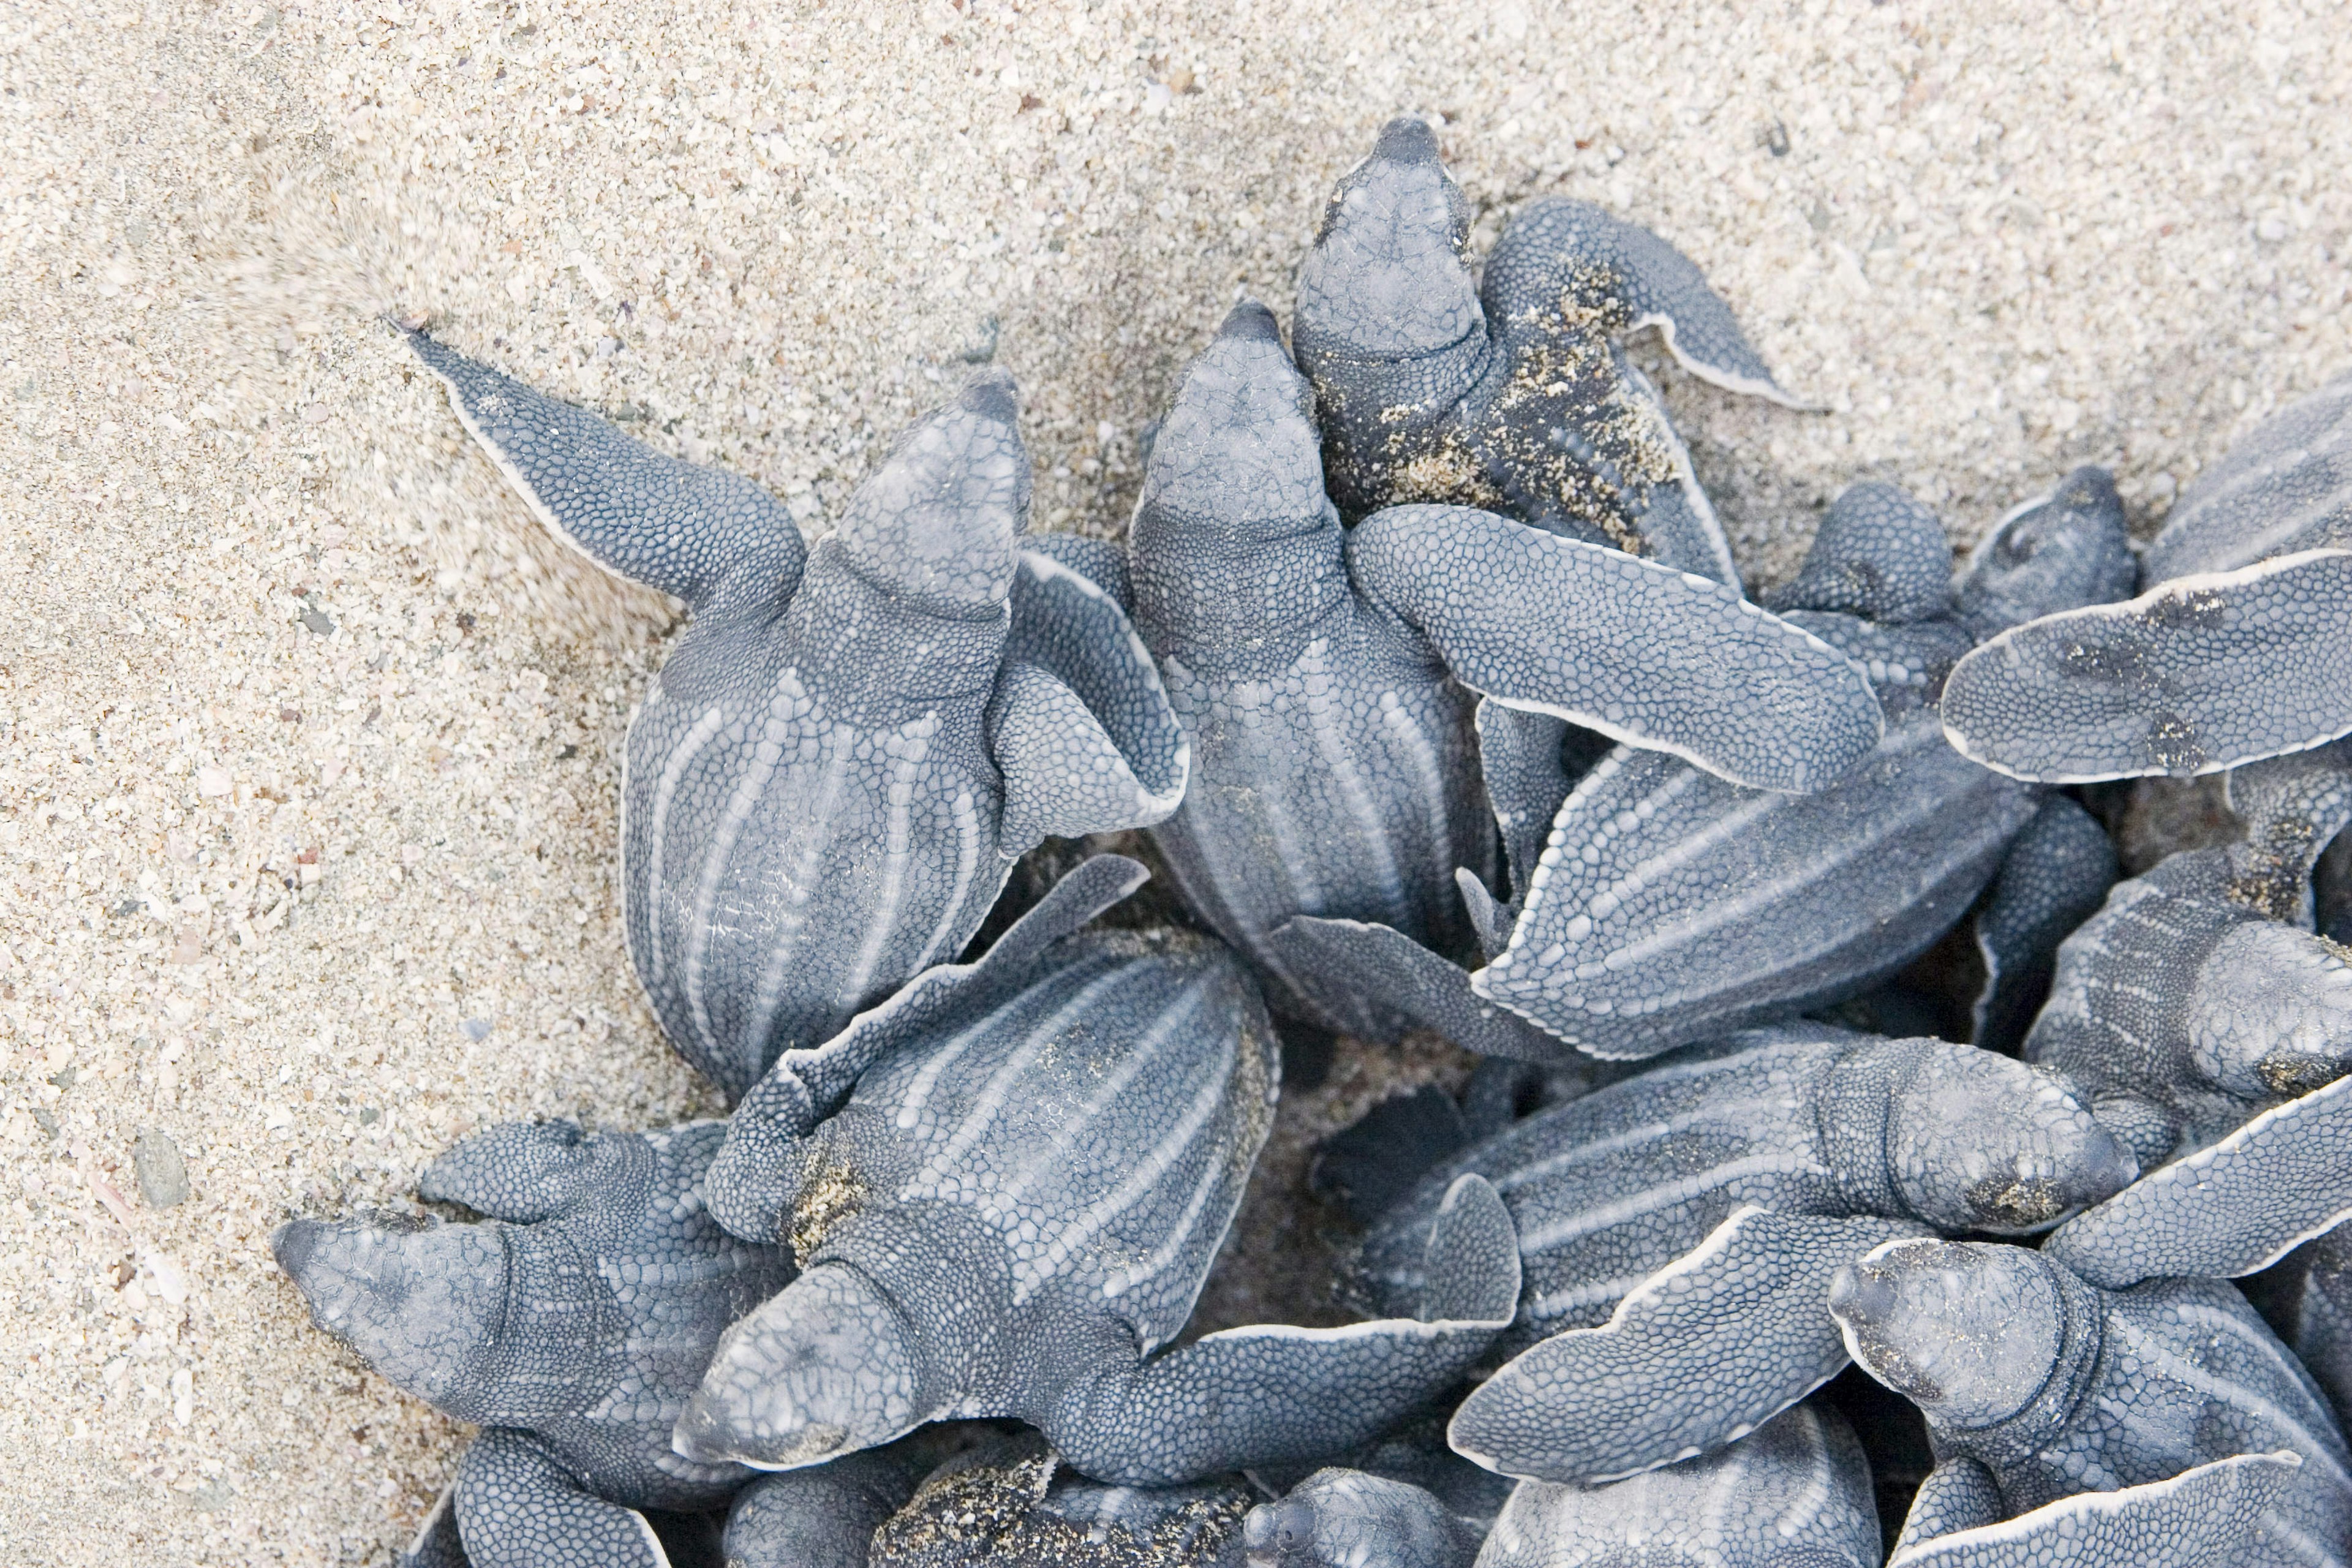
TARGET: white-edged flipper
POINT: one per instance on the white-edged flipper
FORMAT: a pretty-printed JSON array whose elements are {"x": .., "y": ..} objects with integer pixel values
[
  {"x": 2197, "y": 675},
  {"x": 1654, "y": 658},
  {"x": 2229, "y": 1209},
  {"x": 1276, "y": 1394},
  {"x": 1357, "y": 968},
  {"x": 1699, "y": 1354},
  {"x": 687, "y": 530},
  {"x": 2208, "y": 1517}
]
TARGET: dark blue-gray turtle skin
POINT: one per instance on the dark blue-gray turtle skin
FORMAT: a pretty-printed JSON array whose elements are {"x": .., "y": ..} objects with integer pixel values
[
  {"x": 2322, "y": 1325},
  {"x": 2211, "y": 1027},
  {"x": 2161, "y": 1426},
  {"x": 1794, "y": 1493},
  {"x": 837, "y": 765},
  {"x": 2240, "y": 646},
  {"x": 1327, "y": 676},
  {"x": 1406, "y": 1501},
  {"x": 824, "y": 1516},
  {"x": 1668, "y": 906},
  {"x": 1676, "y": 1230},
  {"x": 573, "y": 1325},
  {"x": 1010, "y": 1502},
  {"x": 1509, "y": 393},
  {"x": 1006, "y": 1186}
]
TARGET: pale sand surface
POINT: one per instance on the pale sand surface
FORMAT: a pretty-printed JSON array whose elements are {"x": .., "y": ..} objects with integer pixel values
[{"x": 2002, "y": 239}]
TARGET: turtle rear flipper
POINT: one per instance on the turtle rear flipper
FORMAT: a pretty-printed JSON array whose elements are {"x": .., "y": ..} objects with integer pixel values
[
  {"x": 1699, "y": 1354},
  {"x": 2203, "y": 1517},
  {"x": 2227, "y": 1210},
  {"x": 1376, "y": 974}
]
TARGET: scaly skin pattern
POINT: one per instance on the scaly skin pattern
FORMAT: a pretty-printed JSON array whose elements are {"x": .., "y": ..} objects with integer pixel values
[
  {"x": 1008, "y": 1204},
  {"x": 574, "y": 1323},
  {"x": 1803, "y": 1119},
  {"x": 1340, "y": 1518},
  {"x": 1795, "y": 1491},
  {"x": 2057, "y": 1392},
  {"x": 829, "y": 779},
  {"x": 1668, "y": 906},
  {"x": 1327, "y": 679},
  {"x": 1513, "y": 396},
  {"x": 2235, "y": 650}
]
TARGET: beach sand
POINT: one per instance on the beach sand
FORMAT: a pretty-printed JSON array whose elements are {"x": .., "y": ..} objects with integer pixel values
[{"x": 309, "y": 737}]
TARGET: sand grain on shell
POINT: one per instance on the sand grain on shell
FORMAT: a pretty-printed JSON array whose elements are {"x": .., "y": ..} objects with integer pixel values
[{"x": 309, "y": 738}]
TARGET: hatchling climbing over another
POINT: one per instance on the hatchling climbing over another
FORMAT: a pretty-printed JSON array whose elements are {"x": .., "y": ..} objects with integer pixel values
[
  {"x": 1006, "y": 1186},
  {"x": 835, "y": 769},
  {"x": 1325, "y": 677}
]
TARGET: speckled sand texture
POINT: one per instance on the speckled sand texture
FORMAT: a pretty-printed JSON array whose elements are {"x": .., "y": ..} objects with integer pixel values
[{"x": 307, "y": 739}]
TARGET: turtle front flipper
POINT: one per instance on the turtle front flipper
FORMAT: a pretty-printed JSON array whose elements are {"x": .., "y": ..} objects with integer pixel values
[
  {"x": 2055, "y": 877},
  {"x": 2229, "y": 1209},
  {"x": 1699, "y": 1354},
  {"x": 1276, "y": 1394},
  {"x": 756, "y": 1177},
  {"x": 713, "y": 539},
  {"x": 1080, "y": 724},
  {"x": 1560, "y": 249},
  {"x": 518, "y": 1507},
  {"x": 1958, "y": 1494},
  {"x": 1389, "y": 983},
  {"x": 1658, "y": 658},
  {"x": 519, "y": 1171},
  {"x": 2202, "y": 1518},
  {"x": 2198, "y": 675}
]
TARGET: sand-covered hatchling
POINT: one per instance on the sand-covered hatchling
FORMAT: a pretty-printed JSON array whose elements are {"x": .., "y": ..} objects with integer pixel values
[
  {"x": 2211, "y": 1028},
  {"x": 1006, "y": 1186},
  {"x": 1654, "y": 904},
  {"x": 1327, "y": 676},
  {"x": 1508, "y": 392},
  {"x": 2162, "y": 1426},
  {"x": 840, "y": 761},
  {"x": 2237, "y": 649},
  {"x": 1794, "y": 1493},
  {"x": 573, "y": 1325},
  {"x": 1677, "y": 1230}
]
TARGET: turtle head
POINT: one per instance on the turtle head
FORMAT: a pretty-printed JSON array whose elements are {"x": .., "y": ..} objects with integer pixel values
[
  {"x": 827, "y": 1366},
  {"x": 1969, "y": 1333},
  {"x": 2059, "y": 551},
  {"x": 1981, "y": 1142},
  {"x": 1878, "y": 554},
  {"x": 2269, "y": 1015},
  {"x": 935, "y": 526},
  {"x": 418, "y": 1305},
  {"x": 1337, "y": 1517},
  {"x": 1386, "y": 278}
]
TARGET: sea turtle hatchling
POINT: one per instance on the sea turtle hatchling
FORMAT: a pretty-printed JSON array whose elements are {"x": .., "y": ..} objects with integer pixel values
[
  {"x": 573, "y": 1325},
  {"x": 1794, "y": 1493},
  {"x": 1655, "y": 904},
  {"x": 1509, "y": 393},
  {"x": 2161, "y": 1426},
  {"x": 1325, "y": 677},
  {"x": 1006, "y": 1186},
  {"x": 839, "y": 762},
  {"x": 1677, "y": 1229},
  {"x": 2211, "y": 1028},
  {"x": 1404, "y": 1502},
  {"x": 2237, "y": 650}
]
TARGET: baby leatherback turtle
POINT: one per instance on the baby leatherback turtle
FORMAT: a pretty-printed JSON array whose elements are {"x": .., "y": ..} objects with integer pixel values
[
  {"x": 1327, "y": 676},
  {"x": 1668, "y": 905},
  {"x": 572, "y": 1325},
  {"x": 1684, "y": 1223},
  {"x": 1405, "y": 1502},
  {"x": 1511, "y": 394},
  {"x": 1795, "y": 1491},
  {"x": 2239, "y": 649},
  {"x": 838, "y": 764},
  {"x": 2161, "y": 1426},
  {"x": 1006, "y": 1186},
  {"x": 2212, "y": 1029}
]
